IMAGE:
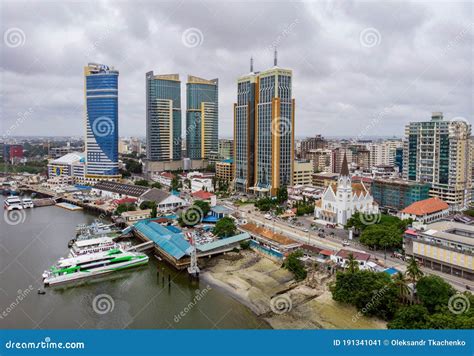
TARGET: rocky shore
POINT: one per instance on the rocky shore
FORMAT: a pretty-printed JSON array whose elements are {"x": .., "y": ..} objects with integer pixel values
[{"x": 272, "y": 293}]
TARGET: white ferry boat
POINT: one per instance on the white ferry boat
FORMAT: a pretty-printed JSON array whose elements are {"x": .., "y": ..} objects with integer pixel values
[
  {"x": 12, "y": 203},
  {"x": 85, "y": 247},
  {"x": 27, "y": 203},
  {"x": 97, "y": 264}
]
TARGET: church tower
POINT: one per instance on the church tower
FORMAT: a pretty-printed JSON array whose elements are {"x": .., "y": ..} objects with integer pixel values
[{"x": 345, "y": 204}]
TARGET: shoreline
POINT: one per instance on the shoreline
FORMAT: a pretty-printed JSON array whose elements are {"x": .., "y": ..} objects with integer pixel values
[{"x": 273, "y": 295}]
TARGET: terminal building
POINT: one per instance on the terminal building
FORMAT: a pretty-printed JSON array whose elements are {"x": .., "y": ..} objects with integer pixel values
[{"x": 445, "y": 246}]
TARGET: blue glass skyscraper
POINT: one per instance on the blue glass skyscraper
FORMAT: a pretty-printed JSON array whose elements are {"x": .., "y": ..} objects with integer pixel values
[{"x": 101, "y": 100}]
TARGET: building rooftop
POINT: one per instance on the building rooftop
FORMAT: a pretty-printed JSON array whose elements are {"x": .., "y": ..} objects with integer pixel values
[
  {"x": 268, "y": 234},
  {"x": 70, "y": 158},
  {"x": 120, "y": 188},
  {"x": 450, "y": 231},
  {"x": 154, "y": 194},
  {"x": 359, "y": 256},
  {"x": 222, "y": 242},
  {"x": 426, "y": 206},
  {"x": 202, "y": 194}
]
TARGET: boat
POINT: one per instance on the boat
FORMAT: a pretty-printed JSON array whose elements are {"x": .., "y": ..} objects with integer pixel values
[
  {"x": 12, "y": 203},
  {"x": 27, "y": 203},
  {"x": 96, "y": 228},
  {"x": 96, "y": 264},
  {"x": 85, "y": 247}
]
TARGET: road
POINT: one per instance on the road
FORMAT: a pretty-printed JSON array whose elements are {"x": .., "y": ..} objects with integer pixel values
[{"x": 335, "y": 242}]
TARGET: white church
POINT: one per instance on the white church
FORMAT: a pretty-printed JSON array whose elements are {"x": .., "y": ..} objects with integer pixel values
[{"x": 336, "y": 206}]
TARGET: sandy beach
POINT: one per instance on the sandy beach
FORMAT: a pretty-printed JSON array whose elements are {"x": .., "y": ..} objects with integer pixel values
[{"x": 272, "y": 293}]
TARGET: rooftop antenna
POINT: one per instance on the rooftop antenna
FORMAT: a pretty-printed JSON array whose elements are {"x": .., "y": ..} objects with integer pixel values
[
  {"x": 275, "y": 57},
  {"x": 251, "y": 64}
]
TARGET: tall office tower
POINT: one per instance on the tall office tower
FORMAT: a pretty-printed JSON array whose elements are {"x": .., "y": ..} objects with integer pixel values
[
  {"x": 101, "y": 114},
  {"x": 244, "y": 131},
  {"x": 202, "y": 118},
  {"x": 163, "y": 117},
  {"x": 438, "y": 152},
  {"x": 384, "y": 153},
  {"x": 264, "y": 117}
]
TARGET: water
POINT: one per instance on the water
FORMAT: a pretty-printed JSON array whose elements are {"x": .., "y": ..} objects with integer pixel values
[{"x": 136, "y": 298}]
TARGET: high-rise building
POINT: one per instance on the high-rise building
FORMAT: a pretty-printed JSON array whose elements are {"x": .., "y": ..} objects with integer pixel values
[
  {"x": 202, "y": 117},
  {"x": 264, "y": 100},
  {"x": 101, "y": 111},
  {"x": 226, "y": 149},
  {"x": 163, "y": 117},
  {"x": 384, "y": 153},
  {"x": 438, "y": 152},
  {"x": 312, "y": 143}
]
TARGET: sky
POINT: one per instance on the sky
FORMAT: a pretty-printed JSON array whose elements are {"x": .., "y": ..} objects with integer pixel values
[{"x": 360, "y": 68}]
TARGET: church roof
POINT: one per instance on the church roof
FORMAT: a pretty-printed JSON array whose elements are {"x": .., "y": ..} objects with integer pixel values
[{"x": 344, "y": 166}]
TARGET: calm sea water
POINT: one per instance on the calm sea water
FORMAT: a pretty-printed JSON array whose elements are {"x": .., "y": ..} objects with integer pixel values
[{"x": 137, "y": 298}]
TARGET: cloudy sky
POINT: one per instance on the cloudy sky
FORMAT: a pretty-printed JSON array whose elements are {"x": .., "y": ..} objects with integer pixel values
[{"x": 360, "y": 68}]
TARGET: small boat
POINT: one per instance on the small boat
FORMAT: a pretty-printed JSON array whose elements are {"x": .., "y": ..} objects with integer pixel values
[
  {"x": 87, "y": 266},
  {"x": 12, "y": 203},
  {"x": 27, "y": 203}
]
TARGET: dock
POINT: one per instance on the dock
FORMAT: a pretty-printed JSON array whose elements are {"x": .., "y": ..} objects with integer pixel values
[{"x": 69, "y": 206}]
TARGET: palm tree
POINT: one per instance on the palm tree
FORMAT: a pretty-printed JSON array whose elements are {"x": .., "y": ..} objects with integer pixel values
[
  {"x": 414, "y": 272},
  {"x": 352, "y": 265},
  {"x": 400, "y": 282}
]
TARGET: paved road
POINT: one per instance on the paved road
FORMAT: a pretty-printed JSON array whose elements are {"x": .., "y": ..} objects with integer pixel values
[{"x": 335, "y": 242}]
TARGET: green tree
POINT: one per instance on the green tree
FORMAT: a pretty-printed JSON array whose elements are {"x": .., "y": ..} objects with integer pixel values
[
  {"x": 413, "y": 271},
  {"x": 410, "y": 317},
  {"x": 121, "y": 208},
  {"x": 157, "y": 185},
  {"x": 175, "y": 183},
  {"x": 371, "y": 292},
  {"x": 282, "y": 195},
  {"x": 225, "y": 227},
  {"x": 245, "y": 245},
  {"x": 142, "y": 182},
  {"x": 293, "y": 264},
  {"x": 401, "y": 284},
  {"x": 204, "y": 206},
  {"x": 147, "y": 205},
  {"x": 381, "y": 236},
  {"x": 154, "y": 211},
  {"x": 352, "y": 265},
  {"x": 433, "y": 292}
]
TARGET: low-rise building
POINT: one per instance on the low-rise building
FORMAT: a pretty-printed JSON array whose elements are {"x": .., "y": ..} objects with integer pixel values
[
  {"x": 426, "y": 211},
  {"x": 198, "y": 184},
  {"x": 225, "y": 171},
  {"x": 70, "y": 165},
  {"x": 302, "y": 172},
  {"x": 132, "y": 216},
  {"x": 324, "y": 179},
  {"x": 205, "y": 196},
  {"x": 164, "y": 200},
  {"x": 445, "y": 246},
  {"x": 342, "y": 256}
]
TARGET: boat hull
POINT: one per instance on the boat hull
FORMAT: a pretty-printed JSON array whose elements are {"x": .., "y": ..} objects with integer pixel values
[{"x": 78, "y": 276}]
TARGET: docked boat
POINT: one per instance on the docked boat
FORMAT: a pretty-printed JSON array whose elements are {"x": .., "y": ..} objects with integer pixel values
[
  {"x": 96, "y": 228},
  {"x": 27, "y": 203},
  {"x": 85, "y": 247},
  {"x": 97, "y": 264},
  {"x": 12, "y": 203}
]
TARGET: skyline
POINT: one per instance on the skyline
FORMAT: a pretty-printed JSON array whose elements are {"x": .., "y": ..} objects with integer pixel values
[{"x": 334, "y": 71}]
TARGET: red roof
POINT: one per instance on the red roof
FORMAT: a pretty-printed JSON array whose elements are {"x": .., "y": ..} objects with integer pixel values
[
  {"x": 326, "y": 252},
  {"x": 427, "y": 206},
  {"x": 125, "y": 200},
  {"x": 166, "y": 174},
  {"x": 359, "y": 256},
  {"x": 202, "y": 194}
]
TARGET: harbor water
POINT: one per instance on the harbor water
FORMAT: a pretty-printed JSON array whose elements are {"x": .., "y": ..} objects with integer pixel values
[{"x": 152, "y": 296}]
